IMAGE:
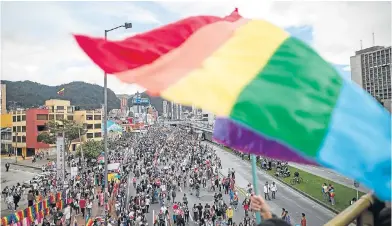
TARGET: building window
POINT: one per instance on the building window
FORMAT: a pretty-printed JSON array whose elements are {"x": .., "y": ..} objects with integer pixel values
[
  {"x": 19, "y": 139},
  {"x": 51, "y": 117},
  {"x": 97, "y": 135},
  {"x": 90, "y": 135},
  {"x": 70, "y": 117},
  {"x": 41, "y": 128},
  {"x": 97, "y": 126},
  {"x": 61, "y": 108},
  {"x": 13, "y": 138},
  {"x": 89, "y": 117},
  {"x": 23, "y": 139},
  {"x": 89, "y": 126},
  {"x": 14, "y": 118},
  {"x": 42, "y": 117},
  {"x": 19, "y": 129},
  {"x": 23, "y": 128},
  {"x": 59, "y": 117},
  {"x": 97, "y": 117},
  {"x": 14, "y": 129},
  {"x": 23, "y": 117},
  {"x": 18, "y": 118}
]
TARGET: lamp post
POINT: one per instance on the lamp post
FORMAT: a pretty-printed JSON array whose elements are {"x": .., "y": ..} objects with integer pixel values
[{"x": 105, "y": 123}]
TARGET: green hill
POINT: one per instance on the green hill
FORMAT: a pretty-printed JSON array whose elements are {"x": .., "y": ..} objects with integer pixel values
[{"x": 28, "y": 94}]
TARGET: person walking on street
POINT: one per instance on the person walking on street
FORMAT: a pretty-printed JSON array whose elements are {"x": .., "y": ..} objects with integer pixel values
[
  {"x": 274, "y": 189},
  {"x": 303, "y": 220},
  {"x": 266, "y": 191},
  {"x": 229, "y": 215}
]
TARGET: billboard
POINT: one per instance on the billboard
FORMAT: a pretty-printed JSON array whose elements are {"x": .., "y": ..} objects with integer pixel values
[
  {"x": 60, "y": 162},
  {"x": 113, "y": 127},
  {"x": 141, "y": 101}
]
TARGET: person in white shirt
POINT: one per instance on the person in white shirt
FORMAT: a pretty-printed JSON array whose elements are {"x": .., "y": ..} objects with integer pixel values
[
  {"x": 266, "y": 191},
  {"x": 274, "y": 189},
  {"x": 147, "y": 203}
]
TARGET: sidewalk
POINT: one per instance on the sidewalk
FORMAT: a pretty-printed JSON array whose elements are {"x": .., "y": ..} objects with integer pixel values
[{"x": 28, "y": 162}]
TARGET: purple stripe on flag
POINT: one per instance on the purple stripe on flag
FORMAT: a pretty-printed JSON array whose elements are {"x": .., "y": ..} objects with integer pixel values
[{"x": 234, "y": 135}]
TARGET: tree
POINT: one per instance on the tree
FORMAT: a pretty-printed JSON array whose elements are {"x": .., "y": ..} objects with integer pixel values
[
  {"x": 91, "y": 149},
  {"x": 70, "y": 128}
]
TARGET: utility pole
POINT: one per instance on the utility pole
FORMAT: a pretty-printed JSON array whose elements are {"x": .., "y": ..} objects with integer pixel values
[{"x": 81, "y": 151}]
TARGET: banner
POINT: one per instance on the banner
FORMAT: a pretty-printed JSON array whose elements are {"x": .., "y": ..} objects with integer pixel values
[
  {"x": 60, "y": 162},
  {"x": 74, "y": 172}
]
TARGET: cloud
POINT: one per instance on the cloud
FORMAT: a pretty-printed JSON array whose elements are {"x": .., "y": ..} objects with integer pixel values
[
  {"x": 37, "y": 43},
  {"x": 337, "y": 27},
  {"x": 38, "y": 46}
]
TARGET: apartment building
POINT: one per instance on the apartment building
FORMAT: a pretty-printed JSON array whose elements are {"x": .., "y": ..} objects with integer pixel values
[
  {"x": 26, "y": 126},
  {"x": 92, "y": 119},
  {"x": 60, "y": 109}
]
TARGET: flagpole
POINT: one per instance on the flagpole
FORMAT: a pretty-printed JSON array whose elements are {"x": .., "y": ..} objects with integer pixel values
[
  {"x": 255, "y": 186},
  {"x": 105, "y": 125}
]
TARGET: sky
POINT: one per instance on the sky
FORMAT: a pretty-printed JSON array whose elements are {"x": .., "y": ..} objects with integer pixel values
[{"x": 37, "y": 42}]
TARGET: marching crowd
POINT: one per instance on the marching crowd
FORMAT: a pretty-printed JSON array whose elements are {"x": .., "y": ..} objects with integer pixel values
[{"x": 175, "y": 179}]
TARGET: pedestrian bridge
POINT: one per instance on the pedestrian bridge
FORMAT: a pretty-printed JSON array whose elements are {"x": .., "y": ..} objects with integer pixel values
[{"x": 200, "y": 125}]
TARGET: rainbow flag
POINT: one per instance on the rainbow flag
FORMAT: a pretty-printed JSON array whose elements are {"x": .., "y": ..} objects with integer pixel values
[
  {"x": 58, "y": 196},
  {"x": 264, "y": 83},
  {"x": 5, "y": 221},
  {"x": 30, "y": 213},
  {"x": 60, "y": 204},
  {"x": 89, "y": 221},
  {"x": 45, "y": 204},
  {"x": 52, "y": 199}
]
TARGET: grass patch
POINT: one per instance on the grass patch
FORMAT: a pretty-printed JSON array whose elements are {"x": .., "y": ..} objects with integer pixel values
[{"x": 312, "y": 186}]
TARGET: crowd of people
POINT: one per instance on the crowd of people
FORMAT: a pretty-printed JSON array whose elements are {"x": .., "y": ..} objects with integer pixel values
[{"x": 166, "y": 175}]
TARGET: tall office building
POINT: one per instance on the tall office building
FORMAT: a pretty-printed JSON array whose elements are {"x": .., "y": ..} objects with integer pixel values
[
  {"x": 181, "y": 117},
  {"x": 3, "y": 99},
  {"x": 371, "y": 69},
  {"x": 172, "y": 110},
  {"x": 164, "y": 104}
]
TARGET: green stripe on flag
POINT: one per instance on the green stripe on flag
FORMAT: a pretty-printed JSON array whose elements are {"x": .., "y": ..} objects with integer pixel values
[{"x": 292, "y": 98}]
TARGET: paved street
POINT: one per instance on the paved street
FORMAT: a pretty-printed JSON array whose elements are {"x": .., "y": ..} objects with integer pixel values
[
  {"x": 330, "y": 175},
  {"x": 286, "y": 197},
  {"x": 14, "y": 175}
]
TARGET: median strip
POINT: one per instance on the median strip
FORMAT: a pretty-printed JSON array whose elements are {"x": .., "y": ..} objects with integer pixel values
[{"x": 311, "y": 187}]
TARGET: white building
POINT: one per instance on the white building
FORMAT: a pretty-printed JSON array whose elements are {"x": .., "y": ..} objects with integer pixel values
[
  {"x": 164, "y": 113},
  {"x": 371, "y": 69}
]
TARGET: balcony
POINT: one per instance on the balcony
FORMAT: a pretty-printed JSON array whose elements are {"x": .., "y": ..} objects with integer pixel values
[{"x": 97, "y": 111}]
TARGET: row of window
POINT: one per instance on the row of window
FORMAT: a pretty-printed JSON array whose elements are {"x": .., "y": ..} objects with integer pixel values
[
  {"x": 91, "y": 117},
  {"x": 19, "y": 129},
  {"x": 93, "y": 135},
  {"x": 19, "y": 139},
  {"x": 19, "y": 118},
  {"x": 94, "y": 126}
]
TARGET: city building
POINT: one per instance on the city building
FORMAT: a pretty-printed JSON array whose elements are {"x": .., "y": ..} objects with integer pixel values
[
  {"x": 26, "y": 126},
  {"x": 3, "y": 99},
  {"x": 123, "y": 101},
  {"x": 92, "y": 119},
  {"x": 371, "y": 69},
  {"x": 6, "y": 133},
  {"x": 60, "y": 109},
  {"x": 164, "y": 109}
]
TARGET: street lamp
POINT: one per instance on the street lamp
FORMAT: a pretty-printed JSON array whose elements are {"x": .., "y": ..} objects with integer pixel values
[{"x": 105, "y": 123}]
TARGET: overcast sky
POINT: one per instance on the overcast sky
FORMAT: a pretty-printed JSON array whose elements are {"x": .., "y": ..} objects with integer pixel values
[{"x": 37, "y": 44}]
